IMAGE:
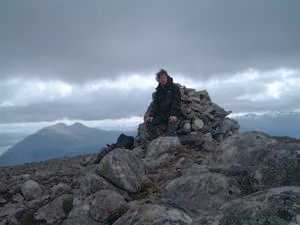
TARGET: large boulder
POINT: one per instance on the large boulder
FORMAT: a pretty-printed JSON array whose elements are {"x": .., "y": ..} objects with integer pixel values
[
  {"x": 276, "y": 206},
  {"x": 269, "y": 161},
  {"x": 160, "y": 151},
  {"x": 104, "y": 204},
  {"x": 80, "y": 214},
  {"x": 60, "y": 189},
  {"x": 9, "y": 213},
  {"x": 31, "y": 190},
  {"x": 91, "y": 183},
  {"x": 55, "y": 211},
  {"x": 154, "y": 214},
  {"x": 201, "y": 192},
  {"x": 123, "y": 169}
]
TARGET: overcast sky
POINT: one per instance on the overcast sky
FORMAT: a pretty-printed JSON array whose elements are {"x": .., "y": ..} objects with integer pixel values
[{"x": 96, "y": 60}]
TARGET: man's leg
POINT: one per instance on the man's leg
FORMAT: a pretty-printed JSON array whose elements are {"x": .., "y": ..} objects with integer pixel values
[
  {"x": 172, "y": 128},
  {"x": 155, "y": 128},
  {"x": 152, "y": 129}
]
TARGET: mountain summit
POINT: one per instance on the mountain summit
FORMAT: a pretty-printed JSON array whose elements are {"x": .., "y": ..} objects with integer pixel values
[
  {"x": 208, "y": 174},
  {"x": 57, "y": 141}
]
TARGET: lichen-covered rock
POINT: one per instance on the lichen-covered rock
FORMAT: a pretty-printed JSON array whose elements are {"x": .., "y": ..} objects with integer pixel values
[
  {"x": 61, "y": 189},
  {"x": 270, "y": 162},
  {"x": 56, "y": 210},
  {"x": 31, "y": 190},
  {"x": 10, "y": 211},
  {"x": 104, "y": 204},
  {"x": 91, "y": 183},
  {"x": 122, "y": 169},
  {"x": 80, "y": 215},
  {"x": 139, "y": 152},
  {"x": 161, "y": 150},
  {"x": 275, "y": 206},
  {"x": 154, "y": 214},
  {"x": 201, "y": 193}
]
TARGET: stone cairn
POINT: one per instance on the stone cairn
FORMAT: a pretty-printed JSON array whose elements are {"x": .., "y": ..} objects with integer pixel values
[{"x": 199, "y": 115}]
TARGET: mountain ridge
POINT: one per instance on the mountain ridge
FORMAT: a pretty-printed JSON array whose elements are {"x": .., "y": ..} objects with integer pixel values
[{"x": 56, "y": 141}]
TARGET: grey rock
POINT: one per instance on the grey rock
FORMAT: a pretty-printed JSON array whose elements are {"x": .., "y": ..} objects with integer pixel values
[
  {"x": 38, "y": 202},
  {"x": 245, "y": 149},
  {"x": 56, "y": 210},
  {"x": 154, "y": 214},
  {"x": 104, "y": 204},
  {"x": 3, "y": 187},
  {"x": 123, "y": 169},
  {"x": 229, "y": 125},
  {"x": 91, "y": 183},
  {"x": 201, "y": 193},
  {"x": 139, "y": 152},
  {"x": 192, "y": 139},
  {"x": 298, "y": 218},
  {"x": 10, "y": 210},
  {"x": 197, "y": 124},
  {"x": 31, "y": 190},
  {"x": 195, "y": 170},
  {"x": 60, "y": 189},
  {"x": 80, "y": 215},
  {"x": 17, "y": 198},
  {"x": 277, "y": 206},
  {"x": 271, "y": 162},
  {"x": 2, "y": 200},
  {"x": 161, "y": 150},
  {"x": 187, "y": 127}
]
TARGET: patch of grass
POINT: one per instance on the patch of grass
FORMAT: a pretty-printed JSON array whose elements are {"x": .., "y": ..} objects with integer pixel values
[
  {"x": 148, "y": 190},
  {"x": 67, "y": 204}
]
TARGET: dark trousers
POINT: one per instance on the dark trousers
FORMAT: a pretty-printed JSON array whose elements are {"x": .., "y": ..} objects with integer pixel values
[{"x": 161, "y": 126}]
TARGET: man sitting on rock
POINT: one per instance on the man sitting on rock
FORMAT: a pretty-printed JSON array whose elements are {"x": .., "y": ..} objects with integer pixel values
[{"x": 163, "y": 116}]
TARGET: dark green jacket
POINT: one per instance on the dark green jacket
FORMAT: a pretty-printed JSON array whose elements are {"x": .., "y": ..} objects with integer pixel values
[{"x": 166, "y": 100}]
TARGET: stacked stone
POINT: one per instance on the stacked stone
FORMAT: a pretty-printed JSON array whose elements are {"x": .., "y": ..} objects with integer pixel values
[{"x": 199, "y": 115}]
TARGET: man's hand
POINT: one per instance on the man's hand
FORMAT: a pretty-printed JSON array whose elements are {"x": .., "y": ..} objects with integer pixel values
[
  {"x": 149, "y": 119},
  {"x": 172, "y": 119}
]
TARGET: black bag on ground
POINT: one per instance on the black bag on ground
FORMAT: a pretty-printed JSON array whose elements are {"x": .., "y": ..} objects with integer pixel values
[{"x": 125, "y": 141}]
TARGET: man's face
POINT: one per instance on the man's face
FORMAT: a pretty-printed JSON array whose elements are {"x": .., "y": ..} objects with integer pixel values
[{"x": 163, "y": 79}]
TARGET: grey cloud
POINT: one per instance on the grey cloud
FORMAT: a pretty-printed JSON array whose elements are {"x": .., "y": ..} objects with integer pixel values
[
  {"x": 101, "y": 106},
  {"x": 86, "y": 40},
  {"x": 115, "y": 103}
]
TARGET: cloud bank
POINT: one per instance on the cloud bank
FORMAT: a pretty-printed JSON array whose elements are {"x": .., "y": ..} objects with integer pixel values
[{"x": 96, "y": 60}]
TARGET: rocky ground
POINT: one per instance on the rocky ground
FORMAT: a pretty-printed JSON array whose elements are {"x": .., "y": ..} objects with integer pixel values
[{"x": 210, "y": 174}]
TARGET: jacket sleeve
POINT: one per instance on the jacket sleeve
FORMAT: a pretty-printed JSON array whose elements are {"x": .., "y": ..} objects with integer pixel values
[
  {"x": 154, "y": 105},
  {"x": 176, "y": 102}
]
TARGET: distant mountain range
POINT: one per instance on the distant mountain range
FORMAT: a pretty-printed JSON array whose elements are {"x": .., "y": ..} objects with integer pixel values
[
  {"x": 275, "y": 123},
  {"x": 62, "y": 140},
  {"x": 57, "y": 141}
]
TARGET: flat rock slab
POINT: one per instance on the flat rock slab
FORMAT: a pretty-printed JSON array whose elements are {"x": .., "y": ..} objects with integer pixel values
[
  {"x": 161, "y": 150},
  {"x": 154, "y": 214},
  {"x": 201, "y": 193},
  {"x": 123, "y": 169}
]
